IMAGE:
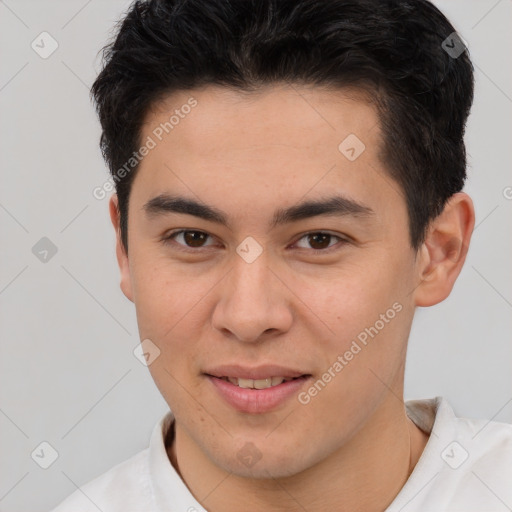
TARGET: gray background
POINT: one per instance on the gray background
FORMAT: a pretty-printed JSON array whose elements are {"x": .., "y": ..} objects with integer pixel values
[{"x": 68, "y": 375}]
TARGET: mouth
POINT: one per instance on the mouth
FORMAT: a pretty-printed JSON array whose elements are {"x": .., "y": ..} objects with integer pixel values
[{"x": 256, "y": 391}]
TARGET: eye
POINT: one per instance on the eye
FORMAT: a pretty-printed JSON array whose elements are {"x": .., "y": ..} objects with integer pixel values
[
  {"x": 321, "y": 241},
  {"x": 188, "y": 239}
]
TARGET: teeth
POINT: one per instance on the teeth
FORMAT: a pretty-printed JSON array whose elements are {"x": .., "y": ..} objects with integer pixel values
[
  {"x": 246, "y": 383},
  {"x": 258, "y": 383},
  {"x": 262, "y": 383},
  {"x": 278, "y": 380}
]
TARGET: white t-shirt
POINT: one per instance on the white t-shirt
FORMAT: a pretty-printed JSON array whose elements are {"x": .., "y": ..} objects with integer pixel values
[{"x": 466, "y": 466}]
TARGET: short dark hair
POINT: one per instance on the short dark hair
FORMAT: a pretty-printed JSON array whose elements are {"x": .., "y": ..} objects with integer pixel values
[{"x": 392, "y": 49}]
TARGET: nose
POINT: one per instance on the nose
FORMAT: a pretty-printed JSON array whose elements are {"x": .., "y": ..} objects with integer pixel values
[{"x": 253, "y": 302}]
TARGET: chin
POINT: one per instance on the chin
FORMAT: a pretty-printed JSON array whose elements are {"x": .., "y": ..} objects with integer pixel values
[
  {"x": 249, "y": 462},
  {"x": 266, "y": 470}
]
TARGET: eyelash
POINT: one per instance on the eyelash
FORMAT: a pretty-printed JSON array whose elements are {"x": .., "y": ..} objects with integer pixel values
[{"x": 169, "y": 239}]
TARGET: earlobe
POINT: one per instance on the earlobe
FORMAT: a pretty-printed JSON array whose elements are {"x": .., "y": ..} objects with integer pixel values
[
  {"x": 442, "y": 255},
  {"x": 122, "y": 256}
]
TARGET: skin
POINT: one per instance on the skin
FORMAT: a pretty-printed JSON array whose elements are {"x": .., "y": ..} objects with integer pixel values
[{"x": 352, "y": 447}]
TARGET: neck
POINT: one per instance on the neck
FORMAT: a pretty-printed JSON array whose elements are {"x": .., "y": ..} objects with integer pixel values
[{"x": 365, "y": 474}]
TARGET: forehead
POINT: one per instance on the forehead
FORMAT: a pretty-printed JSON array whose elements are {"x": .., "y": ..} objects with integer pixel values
[
  {"x": 276, "y": 145},
  {"x": 292, "y": 116}
]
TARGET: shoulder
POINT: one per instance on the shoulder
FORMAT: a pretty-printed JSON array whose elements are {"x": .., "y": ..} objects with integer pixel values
[
  {"x": 484, "y": 451},
  {"x": 125, "y": 487},
  {"x": 484, "y": 444},
  {"x": 462, "y": 441},
  {"x": 478, "y": 465},
  {"x": 466, "y": 465}
]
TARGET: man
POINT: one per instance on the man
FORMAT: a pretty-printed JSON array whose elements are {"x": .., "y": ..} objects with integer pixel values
[{"x": 289, "y": 183}]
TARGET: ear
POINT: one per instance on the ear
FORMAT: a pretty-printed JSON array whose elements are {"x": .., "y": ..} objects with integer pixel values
[
  {"x": 122, "y": 256},
  {"x": 442, "y": 255}
]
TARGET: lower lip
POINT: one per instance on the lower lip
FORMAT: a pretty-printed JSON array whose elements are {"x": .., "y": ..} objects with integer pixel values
[{"x": 257, "y": 401}]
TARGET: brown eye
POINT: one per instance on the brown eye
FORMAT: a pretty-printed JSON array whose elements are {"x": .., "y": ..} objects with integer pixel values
[
  {"x": 188, "y": 239},
  {"x": 320, "y": 241},
  {"x": 194, "y": 238}
]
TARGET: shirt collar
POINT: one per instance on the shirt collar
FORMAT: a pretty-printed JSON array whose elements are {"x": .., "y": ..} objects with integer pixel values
[{"x": 170, "y": 492}]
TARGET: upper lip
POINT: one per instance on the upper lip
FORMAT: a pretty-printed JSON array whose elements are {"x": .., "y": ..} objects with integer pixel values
[{"x": 255, "y": 373}]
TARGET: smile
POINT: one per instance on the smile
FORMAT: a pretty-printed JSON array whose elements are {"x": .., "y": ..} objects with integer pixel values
[
  {"x": 256, "y": 383},
  {"x": 257, "y": 396}
]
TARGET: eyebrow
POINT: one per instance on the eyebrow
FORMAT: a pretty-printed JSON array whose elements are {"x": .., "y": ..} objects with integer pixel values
[{"x": 338, "y": 206}]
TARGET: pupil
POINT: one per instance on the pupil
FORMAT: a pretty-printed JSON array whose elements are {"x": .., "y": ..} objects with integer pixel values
[
  {"x": 324, "y": 240},
  {"x": 194, "y": 238}
]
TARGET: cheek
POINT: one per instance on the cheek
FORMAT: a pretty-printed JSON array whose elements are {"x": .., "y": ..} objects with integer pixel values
[
  {"x": 368, "y": 313},
  {"x": 352, "y": 298},
  {"x": 164, "y": 294},
  {"x": 167, "y": 307}
]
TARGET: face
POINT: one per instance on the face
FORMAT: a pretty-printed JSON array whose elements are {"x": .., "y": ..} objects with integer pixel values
[{"x": 296, "y": 263}]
